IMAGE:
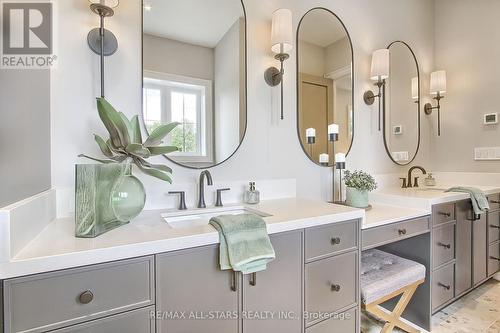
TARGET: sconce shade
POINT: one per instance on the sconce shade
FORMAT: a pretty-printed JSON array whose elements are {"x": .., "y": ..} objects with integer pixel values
[
  {"x": 107, "y": 3},
  {"x": 380, "y": 65},
  {"x": 282, "y": 31},
  {"x": 414, "y": 88},
  {"x": 310, "y": 133},
  {"x": 438, "y": 83}
]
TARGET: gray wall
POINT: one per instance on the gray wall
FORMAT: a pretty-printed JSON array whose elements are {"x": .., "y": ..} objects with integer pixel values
[
  {"x": 466, "y": 46},
  {"x": 24, "y": 134}
]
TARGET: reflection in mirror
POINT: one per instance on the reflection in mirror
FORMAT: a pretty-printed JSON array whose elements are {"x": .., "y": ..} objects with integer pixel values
[
  {"x": 325, "y": 85},
  {"x": 194, "y": 72},
  {"x": 402, "y": 105}
]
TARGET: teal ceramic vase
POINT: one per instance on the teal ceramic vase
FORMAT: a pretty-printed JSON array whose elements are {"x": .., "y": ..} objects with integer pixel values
[
  {"x": 106, "y": 196},
  {"x": 356, "y": 198}
]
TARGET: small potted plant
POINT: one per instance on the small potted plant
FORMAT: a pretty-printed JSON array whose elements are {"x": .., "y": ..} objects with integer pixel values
[
  {"x": 107, "y": 195},
  {"x": 358, "y": 185}
]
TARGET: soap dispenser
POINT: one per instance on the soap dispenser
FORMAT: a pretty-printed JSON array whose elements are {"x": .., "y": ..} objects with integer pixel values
[
  {"x": 430, "y": 181},
  {"x": 252, "y": 196}
]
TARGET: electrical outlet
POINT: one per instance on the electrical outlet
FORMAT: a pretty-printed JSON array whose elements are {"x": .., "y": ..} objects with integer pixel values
[{"x": 487, "y": 153}]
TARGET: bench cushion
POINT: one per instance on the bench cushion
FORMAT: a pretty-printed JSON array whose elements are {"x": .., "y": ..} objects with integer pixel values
[{"x": 383, "y": 273}]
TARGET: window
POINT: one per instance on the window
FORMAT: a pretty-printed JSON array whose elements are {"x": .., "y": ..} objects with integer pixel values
[{"x": 169, "y": 98}]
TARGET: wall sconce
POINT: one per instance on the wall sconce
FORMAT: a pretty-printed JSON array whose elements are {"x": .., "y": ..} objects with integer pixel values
[
  {"x": 438, "y": 89},
  {"x": 415, "y": 89},
  {"x": 101, "y": 41},
  {"x": 282, "y": 43},
  {"x": 379, "y": 73}
]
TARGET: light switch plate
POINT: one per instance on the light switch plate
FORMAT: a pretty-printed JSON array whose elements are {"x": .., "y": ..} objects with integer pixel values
[{"x": 487, "y": 153}]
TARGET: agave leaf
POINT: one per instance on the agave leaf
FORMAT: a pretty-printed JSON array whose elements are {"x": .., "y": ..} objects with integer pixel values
[
  {"x": 119, "y": 159},
  {"x": 145, "y": 163},
  {"x": 162, "y": 150},
  {"x": 113, "y": 149},
  {"x": 159, "y": 133},
  {"x": 128, "y": 125},
  {"x": 97, "y": 159},
  {"x": 155, "y": 173},
  {"x": 117, "y": 129},
  {"x": 136, "y": 130},
  {"x": 138, "y": 149},
  {"x": 103, "y": 146}
]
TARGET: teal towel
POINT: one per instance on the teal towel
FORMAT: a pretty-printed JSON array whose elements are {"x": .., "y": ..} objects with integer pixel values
[
  {"x": 244, "y": 243},
  {"x": 479, "y": 201}
]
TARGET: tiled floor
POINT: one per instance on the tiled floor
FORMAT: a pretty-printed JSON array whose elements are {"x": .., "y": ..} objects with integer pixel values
[{"x": 477, "y": 312}]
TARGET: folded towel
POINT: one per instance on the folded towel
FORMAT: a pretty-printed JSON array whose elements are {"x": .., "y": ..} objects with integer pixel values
[
  {"x": 479, "y": 201},
  {"x": 244, "y": 243}
]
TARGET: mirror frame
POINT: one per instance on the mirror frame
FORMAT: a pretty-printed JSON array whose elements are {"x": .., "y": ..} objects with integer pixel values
[
  {"x": 297, "y": 73},
  {"x": 418, "y": 108},
  {"x": 246, "y": 92}
]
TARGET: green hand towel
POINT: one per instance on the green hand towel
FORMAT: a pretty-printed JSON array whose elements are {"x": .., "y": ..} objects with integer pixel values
[
  {"x": 479, "y": 201},
  {"x": 244, "y": 243}
]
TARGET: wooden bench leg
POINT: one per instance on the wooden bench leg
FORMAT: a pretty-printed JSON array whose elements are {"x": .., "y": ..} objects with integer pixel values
[{"x": 393, "y": 319}]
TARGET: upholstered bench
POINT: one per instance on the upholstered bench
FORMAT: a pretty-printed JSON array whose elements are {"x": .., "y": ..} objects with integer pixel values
[{"x": 385, "y": 276}]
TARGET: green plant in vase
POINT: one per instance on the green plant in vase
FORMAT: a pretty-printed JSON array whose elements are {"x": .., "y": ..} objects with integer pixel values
[
  {"x": 107, "y": 194},
  {"x": 358, "y": 185}
]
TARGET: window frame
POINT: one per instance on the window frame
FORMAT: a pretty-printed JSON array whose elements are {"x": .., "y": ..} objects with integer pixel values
[{"x": 205, "y": 119}]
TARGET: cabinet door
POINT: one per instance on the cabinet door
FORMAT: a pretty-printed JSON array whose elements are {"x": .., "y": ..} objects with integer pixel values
[
  {"x": 277, "y": 291},
  {"x": 193, "y": 295},
  {"x": 479, "y": 249},
  {"x": 463, "y": 247}
]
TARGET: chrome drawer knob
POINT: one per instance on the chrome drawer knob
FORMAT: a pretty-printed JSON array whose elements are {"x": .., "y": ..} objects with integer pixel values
[
  {"x": 335, "y": 287},
  {"x": 495, "y": 201},
  {"x": 335, "y": 241},
  {"x": 445, "y": 214},
  {"x": 494, "y": 226},
  {"x": 402, "y": 232},
  {"x": 494, "y": 258},
  {"x": 86, "y": 297}
]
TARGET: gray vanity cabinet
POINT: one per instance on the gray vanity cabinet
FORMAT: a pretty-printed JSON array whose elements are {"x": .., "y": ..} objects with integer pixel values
[
  {"x": 493, "y": 222},
  {"x": 190, "y": 287},
  {"x": 463, "y": 267},
  {"x": 276, "y": 293},
  {"x": 479, "y": 249}
]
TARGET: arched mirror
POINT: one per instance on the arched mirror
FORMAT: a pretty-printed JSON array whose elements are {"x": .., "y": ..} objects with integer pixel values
[
  {"x": 402, "y": 105},
  {"x": 194, "y": 73},
  {"x": 324, "y": 86}
]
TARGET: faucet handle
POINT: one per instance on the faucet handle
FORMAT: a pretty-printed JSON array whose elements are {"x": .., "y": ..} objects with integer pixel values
[
  {"x": 182, "y": 195},
  {"x": 218, "y": 202},
  {"x": 404, "y": 182}
]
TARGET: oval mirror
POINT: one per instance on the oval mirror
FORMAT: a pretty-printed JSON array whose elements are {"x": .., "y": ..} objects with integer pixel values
[
  {"x": 324, "y": 86},
  {"x": 402, "y": 105},
  {"x": 194, "y": 73}
]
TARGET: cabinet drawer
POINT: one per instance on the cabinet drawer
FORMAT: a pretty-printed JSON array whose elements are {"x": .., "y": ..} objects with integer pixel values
[
  {"x": 331, "y": 284},
  {"x": 53, "y": 300},
  {"x": 136, "y": 321},
  {"x": 443, "y": 285},
  {"x": 342, "y": 323},
  {"x": 392, "y": 232},
  {"x": 494, "y": 200},
  {"x": 493, "y": 226},
  {"x": 443, "y": 213},
  {"x": 333, "y": 238},
  {"x": 494, "y": 259},
  {"x": 443, "y": 248}
]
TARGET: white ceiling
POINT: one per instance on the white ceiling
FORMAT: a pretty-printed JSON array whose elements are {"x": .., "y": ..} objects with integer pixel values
[
  {"x": 321, "y": 28},
  {"x": 198, "y": 22}
]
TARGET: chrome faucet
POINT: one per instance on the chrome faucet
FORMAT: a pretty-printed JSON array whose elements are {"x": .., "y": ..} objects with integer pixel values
[
  {"x": 409, "y": 183},
  {"x": 201, "y": 199}
]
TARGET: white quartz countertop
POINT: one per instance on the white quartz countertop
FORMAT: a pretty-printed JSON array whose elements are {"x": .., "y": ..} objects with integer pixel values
[
  {"x": 57, "y": 248},
  {"x": 381, "y": 215},
  {"x": 424, "y": 197}
]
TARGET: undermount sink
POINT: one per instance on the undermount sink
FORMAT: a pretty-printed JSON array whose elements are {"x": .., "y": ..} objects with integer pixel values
[{"x": 201, "y": 217}]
